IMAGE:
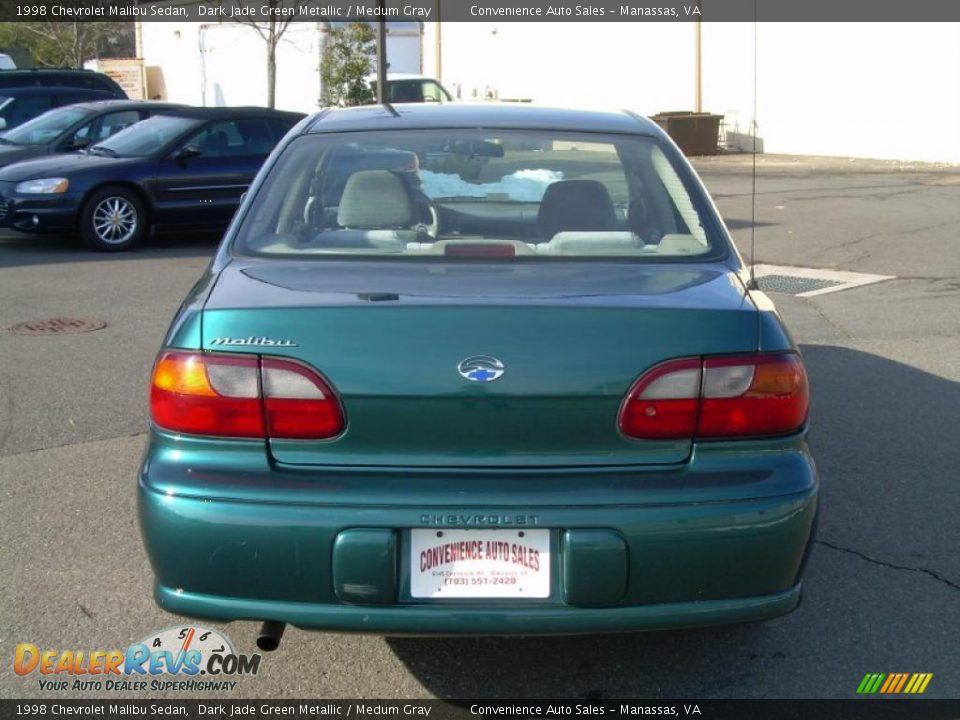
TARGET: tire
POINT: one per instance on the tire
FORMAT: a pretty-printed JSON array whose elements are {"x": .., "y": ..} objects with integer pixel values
[{"x": 112, "y": 219}]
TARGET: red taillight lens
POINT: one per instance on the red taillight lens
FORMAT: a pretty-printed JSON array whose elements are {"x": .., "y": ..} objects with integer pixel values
[
  {"x": 725, "y": 397},
  {"x": 299, "y": 403},
  {"x": 663, "y": 403},
  {"x": 756, "y": 395},
  {"x": 204, "y": 394},
  {"x": 220, "y": 395}
]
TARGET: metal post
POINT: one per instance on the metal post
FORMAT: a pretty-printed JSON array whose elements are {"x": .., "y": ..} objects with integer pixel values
[
  {"x": 438, "y": 44},
  {"x": 698, "y": 70},
  {"x": 381, "y": 56}
]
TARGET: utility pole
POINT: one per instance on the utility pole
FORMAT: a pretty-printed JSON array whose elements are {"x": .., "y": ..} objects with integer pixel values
[{"x": 381, "y": 56}]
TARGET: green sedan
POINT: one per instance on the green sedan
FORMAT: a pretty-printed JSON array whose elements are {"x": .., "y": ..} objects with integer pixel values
[{"x": 477, "y": 369}]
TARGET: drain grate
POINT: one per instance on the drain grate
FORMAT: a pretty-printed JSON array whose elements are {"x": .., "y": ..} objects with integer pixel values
[
  {"x": 792, "y": 284},
  {"x": 810, "y": 282},
  {"x": 57, "y": 326}
]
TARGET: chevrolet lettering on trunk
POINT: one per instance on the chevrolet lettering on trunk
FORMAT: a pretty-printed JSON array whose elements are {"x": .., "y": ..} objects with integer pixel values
[{"x": 441, "y": 520}]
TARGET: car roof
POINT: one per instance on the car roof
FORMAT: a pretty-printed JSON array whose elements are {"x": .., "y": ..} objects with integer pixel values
[
  {"x": 400, "y": 76},
  {"x": 53, "y": 69},
  {"x": 478, "y": 115},
  {"x": 216, "y": 113},
  {"x": 43, "y": 76},
  {"x": 49, "y": 71},
  {"x": 90, "y": 93},
  {"x": 116, "y": 104}
]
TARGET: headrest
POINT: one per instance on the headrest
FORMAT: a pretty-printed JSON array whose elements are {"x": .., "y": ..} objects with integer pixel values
[
  {"x": 375, "y": 199},
  {"x": 575, "y": 205}
]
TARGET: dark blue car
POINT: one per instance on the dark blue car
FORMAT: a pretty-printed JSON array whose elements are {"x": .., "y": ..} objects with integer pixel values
[
  {"x": 74, "y": 127},
  {"x": 20, "y": 104},
  {"x": 178, "y": 170}
]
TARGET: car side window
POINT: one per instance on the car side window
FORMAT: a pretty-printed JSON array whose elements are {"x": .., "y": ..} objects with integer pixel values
[
  {"x": 279, "y": 128},
  {"x": 113, "y": 123},
  {"x": 82, "y": 136},
  {"x": 405, "y": 91},
  {"x": 233, "y": 138},
  {"x": 433, "y": 92},
  {"x": 258, "y": 137},
  {"x": 25, "y": 108}
]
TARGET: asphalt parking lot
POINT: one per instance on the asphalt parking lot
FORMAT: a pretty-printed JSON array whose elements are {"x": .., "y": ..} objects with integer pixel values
[{"x": 882, "y": 591}]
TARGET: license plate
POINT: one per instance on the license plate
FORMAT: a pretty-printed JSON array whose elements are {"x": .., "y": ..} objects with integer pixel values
[{"x": 480, "y": 563}]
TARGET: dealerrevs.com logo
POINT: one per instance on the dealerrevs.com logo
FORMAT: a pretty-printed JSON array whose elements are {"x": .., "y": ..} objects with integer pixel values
[{"x": 179, "y": 658}]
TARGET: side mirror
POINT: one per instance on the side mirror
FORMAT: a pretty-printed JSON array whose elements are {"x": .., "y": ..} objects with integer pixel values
[
  {"x": 187, "y": 152},
  {"x": 3, "y": 124}
]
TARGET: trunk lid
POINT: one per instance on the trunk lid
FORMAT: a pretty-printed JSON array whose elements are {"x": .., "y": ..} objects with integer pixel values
[{"x": 389, "y": 336}]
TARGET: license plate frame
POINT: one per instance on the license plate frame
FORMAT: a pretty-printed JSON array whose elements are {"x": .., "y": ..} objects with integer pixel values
[{"x": 480, "y": 564}]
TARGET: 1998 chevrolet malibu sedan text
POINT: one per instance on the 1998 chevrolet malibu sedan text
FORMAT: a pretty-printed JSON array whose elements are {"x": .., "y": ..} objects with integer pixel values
[{"x": 478, "y": 369}]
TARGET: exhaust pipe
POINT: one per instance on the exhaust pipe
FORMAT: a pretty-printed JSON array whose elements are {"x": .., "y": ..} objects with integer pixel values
[{"x": 270, "y": 633}]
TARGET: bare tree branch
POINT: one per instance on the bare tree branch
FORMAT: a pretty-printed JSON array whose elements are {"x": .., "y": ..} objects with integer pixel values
[{"x": 271, "y": 32}]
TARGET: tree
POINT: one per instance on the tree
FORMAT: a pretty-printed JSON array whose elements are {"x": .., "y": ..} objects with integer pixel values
[
  {"x": 69, "y": 44},
  {"x": 271, "y": 32},
  {"x": 347, "y": 60}
]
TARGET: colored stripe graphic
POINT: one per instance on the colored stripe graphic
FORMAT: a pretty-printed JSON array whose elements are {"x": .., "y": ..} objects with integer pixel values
[
  {"x": 891, "y": 680},
  {"x": 894, "y": 683},
  {"x": 871, "y": 683},
  {"x": 903, "y": 680},
  {"x": 918, "y": 683}
]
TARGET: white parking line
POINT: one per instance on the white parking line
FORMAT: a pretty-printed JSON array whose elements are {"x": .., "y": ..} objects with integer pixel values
[{"x": 845, "y": 279}]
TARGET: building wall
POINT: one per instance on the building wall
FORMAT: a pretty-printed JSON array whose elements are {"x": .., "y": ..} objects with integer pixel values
[
  {"x": 881, "y": 90},
  {"x": 217, "y": 64}
]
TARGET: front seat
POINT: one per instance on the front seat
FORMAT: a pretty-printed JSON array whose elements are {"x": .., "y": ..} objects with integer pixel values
[
  {"x": 376, "y": 211},
  {"x": 572, "y": 205}
]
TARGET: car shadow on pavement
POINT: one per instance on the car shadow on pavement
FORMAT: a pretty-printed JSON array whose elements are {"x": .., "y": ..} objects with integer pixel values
[
  {"x": 886, "y": 452},
  {"x": 745, "y": 223},
  {"x": 18, "y": 250}
]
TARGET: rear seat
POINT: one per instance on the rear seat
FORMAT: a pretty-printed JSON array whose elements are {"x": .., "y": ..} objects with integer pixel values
[{"x": 592, "y": 243}]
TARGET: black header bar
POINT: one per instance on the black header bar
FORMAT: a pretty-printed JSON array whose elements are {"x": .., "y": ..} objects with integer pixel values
[
  {"x": 126, "y": 706},
  {"x": 481, "y": 10}
]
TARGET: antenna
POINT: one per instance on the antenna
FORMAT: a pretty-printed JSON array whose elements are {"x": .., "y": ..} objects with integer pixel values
[{"x": 753, "y": 176}]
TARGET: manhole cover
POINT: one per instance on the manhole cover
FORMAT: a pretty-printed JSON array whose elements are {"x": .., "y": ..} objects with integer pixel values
[
  {"x": 793, "y": 285},
  {"x": 57, "y": 326}
]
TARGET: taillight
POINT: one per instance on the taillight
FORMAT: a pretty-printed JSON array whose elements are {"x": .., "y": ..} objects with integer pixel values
[
  {"x": 723, "y": 397},
  {"x": 756, "y": 395},
  {"x": 207, "y": 394},
  {"x": 663, "y": 403},
  {"x": 299, "y": 404},
  {"x": 241, "y": 396}
]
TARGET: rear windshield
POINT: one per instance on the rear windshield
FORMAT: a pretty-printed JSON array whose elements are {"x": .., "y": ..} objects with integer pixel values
[{"x": 478, "y": 194}]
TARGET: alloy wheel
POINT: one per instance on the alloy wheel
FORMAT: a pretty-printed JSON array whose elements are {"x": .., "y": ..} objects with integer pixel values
[{"x": 115, "y": 220}]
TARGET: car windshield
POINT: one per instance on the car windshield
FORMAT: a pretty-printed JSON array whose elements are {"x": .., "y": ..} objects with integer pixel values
[
  {"x": 145, "y": 138},
  {"x": 479, "y": 194},
  {"x": 46, "y": 127}
]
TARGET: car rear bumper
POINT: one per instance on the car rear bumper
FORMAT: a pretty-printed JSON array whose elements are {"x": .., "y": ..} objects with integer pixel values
[
  {"x": 486, "y": 620},
  {"x": 729, "y": 547}
]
